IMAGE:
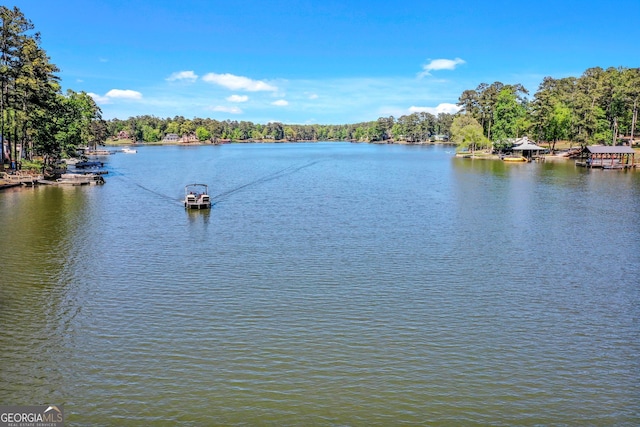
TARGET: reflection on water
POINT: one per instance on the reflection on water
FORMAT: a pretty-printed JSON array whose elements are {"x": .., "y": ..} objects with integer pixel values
[
  {"x": 329, "y": 284},
  {"x": 41, "y": 229}
]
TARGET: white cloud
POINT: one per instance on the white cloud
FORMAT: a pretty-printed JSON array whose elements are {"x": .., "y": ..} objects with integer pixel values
[
  {"x": 346, "y": 100},
  {"x": 233, "y": 82},
  {"x": 115, "y": 94},
  {"x": 280, "y": 103},
  {"x": 440, "y": 64},
  {"x": 183, "y": 75},
  {"x": 98, "y": 98},
  {"x": 441, "y": 108},
  {"x": 238, "y": 98},
  {"x": 223, "y": 109},
  {"x": 313, "y": 96},
  {"x": 123, "y": 94}
]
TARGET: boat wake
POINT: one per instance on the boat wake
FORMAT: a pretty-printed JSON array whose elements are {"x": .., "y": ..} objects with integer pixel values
[
  {"x": 225, "y": 194},
  {"x": 137, "y": 184},
  {"x": 164, "y": 196},
  {"x": 270, "y": 177}
]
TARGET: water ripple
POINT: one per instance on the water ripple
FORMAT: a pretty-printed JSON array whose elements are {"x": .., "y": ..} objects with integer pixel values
[{"x": 330, "y": 285}]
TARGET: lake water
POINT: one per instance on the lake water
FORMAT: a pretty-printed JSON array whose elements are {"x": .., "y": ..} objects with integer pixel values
[{"x": 330, "y": 284}]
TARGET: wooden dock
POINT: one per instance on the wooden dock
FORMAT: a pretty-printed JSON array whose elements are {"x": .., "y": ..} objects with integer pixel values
[
  {"x": 608, "y": 157},
  {"x": 18, "y": 178},
  {"x": 597, "y": 164}
]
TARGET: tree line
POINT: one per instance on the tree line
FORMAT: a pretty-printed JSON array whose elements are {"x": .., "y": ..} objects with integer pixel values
[
  {"x": 599, "y": 107},
  {"x": 415, "y": 127},
  {"x": 35, "y": 117}
]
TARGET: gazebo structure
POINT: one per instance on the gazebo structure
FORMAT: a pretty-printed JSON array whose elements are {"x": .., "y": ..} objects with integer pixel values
[
  {"x": 609, "y": 157},
  {"x": 528, "y": 149}
]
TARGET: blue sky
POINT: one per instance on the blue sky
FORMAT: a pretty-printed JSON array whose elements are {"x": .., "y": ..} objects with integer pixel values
[{"x": 326, "y": 62}]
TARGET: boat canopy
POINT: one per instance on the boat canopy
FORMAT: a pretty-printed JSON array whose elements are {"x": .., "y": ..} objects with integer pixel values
[
  {"x": 528, "y": 146},
  {"x": 610, "y": 149}
]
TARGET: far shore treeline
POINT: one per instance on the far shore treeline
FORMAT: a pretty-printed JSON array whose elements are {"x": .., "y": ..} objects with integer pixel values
[{"x": 38, "y": 121}]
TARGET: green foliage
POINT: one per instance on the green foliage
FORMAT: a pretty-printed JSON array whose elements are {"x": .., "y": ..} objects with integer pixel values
[
  {"x": 150, "y": 134},
  {"x": 415, "y": 127},
  {"x": 203, "y": 134},
  {"x": 502, "y": 145},
  {"x": 34, "y": 165},
  {"x": 597, "y": 107},
  {"x": 508, "y": 115},
  {"x": 467, "y": 133},
  {"x": 289, "y": 133},
  {"x": 33, "y": 112},
  {"x": 559, "y": 122},
  {"x": 173, "y": 127},
  {"x": 76, "y": 124},
  {"x": 498, "y": 105}
]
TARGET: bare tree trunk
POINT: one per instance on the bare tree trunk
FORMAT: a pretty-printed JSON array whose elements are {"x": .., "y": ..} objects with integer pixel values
[
  {"x": 15, "y": 140},
  {"x": 3, "y": 61},
  {"x": 3, "y": 102},
  {"x": 23, "y": 137},
  {"x": 633, "y": 121},
  {"x": 2, "y": 126}
]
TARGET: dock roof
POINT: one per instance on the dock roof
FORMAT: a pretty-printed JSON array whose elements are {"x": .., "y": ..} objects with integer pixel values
[
  {"x": 610, "y": 149},
  {"x": 528, "y": 145}
]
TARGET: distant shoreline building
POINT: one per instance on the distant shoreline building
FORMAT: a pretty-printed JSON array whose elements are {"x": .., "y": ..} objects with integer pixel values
[
  {"x": 170, "y": 137},
  {"x": 123, "y": 134},
  {"x": 185, "y": 139}
]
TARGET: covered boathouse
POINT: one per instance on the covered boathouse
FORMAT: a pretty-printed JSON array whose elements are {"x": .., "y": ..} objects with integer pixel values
[
  {"x": 608, "y": 157},
  {"x": 529, "y": 150}
]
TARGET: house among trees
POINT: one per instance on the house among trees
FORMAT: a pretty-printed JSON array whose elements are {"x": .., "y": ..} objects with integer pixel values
[
  {"x": 440, "y": 138},
  {"x": 123, "y": 134},
  {"x": 528, "y": 149},
  {"x": 185, "y": 139},
  {"x": 191, "y": 137}
]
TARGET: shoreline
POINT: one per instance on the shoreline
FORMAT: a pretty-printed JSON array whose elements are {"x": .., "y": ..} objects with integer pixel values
[
  {"x": 487, "y": 156},
  {"x": 128, "y": 142},
  {"x": 24, "y": 179}
]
